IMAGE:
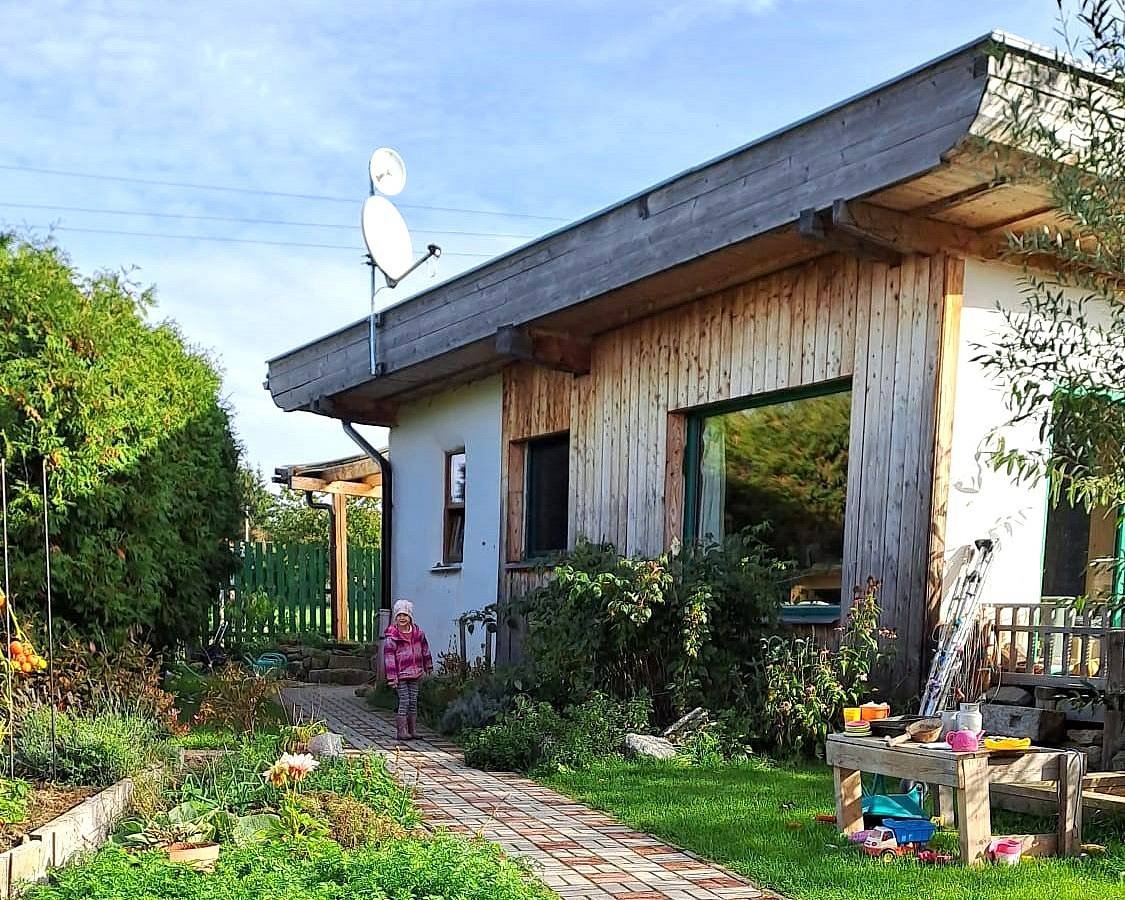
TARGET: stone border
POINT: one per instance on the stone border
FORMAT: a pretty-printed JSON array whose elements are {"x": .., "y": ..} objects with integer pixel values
[{"x": 85, "y": 827}]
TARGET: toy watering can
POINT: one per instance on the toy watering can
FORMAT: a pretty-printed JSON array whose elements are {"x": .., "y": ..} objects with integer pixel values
[{"x": 964, "y": 741}]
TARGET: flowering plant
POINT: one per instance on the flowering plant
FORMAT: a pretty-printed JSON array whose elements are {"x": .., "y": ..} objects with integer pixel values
[
  {"x": 290, "y": 769},
  {"x": 294, "y": 823}
]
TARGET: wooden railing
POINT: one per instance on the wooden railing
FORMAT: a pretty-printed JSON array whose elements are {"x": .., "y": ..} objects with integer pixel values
[{"x": 1054, "y": 644}]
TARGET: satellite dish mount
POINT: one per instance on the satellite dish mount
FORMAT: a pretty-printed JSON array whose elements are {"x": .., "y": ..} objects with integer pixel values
[{"x": 389, "y": 249}]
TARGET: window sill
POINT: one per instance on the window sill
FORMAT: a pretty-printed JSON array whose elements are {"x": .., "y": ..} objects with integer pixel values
[
  {"x": 445, "y": 568},
  {"x": 540, "y": 562},
  {"x": 810, "y": 614}
]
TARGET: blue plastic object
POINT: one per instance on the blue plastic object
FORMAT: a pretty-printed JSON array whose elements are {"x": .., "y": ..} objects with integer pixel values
[
  {"x": 267, "y": 662},
  {"x": 911, "y": 831},
  {"x": 901, "y": 806}
]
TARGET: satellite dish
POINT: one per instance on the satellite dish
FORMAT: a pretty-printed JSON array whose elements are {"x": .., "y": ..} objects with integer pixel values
[
  {"x": 387, "y": 237},
  {"x": 388, "y": 171}
]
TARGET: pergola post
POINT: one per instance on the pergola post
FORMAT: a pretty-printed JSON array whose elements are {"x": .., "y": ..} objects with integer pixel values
[{"x": 340, "y": 564}]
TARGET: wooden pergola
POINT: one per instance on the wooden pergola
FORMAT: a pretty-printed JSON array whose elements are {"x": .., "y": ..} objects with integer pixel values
[{"x": 352, "y": 476}]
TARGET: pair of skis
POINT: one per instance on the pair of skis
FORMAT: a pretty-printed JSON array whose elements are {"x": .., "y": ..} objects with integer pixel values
[{"x": 957, "y": 629}]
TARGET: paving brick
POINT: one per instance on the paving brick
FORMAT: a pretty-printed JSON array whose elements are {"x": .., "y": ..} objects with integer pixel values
[{"x": 580, "y": 853}]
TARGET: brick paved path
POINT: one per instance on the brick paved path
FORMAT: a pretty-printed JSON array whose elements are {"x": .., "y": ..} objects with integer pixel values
[{"x": 579, "y": 853}]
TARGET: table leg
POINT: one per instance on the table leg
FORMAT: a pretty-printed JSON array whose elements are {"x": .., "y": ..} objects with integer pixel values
[
  {"x": 849, "y": 799},
  {"x": 1071, "y": 771},
  {"x": 974, "y": 815},
  {"x": 945, "y": 805}
]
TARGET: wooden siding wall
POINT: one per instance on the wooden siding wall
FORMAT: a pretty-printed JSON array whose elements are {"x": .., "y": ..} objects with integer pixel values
[{"x": 834, "y": 318}]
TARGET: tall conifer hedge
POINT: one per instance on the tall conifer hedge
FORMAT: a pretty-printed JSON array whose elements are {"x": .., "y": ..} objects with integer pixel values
[{"x": 142, "y": 465}]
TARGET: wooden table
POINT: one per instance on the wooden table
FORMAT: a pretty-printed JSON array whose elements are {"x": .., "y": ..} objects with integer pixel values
[{"x": 962, "y": 780}]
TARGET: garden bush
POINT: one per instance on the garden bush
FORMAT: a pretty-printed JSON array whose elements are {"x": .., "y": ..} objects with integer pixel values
[
  {"x": 141, "y": 460},
  {"x": 238, "y": 699},
  {"x": 535, "y": 737},
  {"x": 92, "y": 750},
  {"x": 411, "y": 869},
  {"x": 808, "y": 685},
  {"x": 683, "y": 627}
]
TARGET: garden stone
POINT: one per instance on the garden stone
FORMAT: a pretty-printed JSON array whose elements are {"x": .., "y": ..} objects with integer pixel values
[
  {"x": 1043, "y": 726},
  {"x": 326, "y": 745},
  {"x": 1084, "y": 735},
  {"x": 692, "y": 721},
  {"x": 649, "y": 745},
  {"x": 1012, "y": 695}
]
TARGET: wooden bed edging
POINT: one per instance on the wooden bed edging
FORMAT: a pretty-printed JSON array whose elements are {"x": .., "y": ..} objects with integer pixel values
[{"x": 85, "y": 827}]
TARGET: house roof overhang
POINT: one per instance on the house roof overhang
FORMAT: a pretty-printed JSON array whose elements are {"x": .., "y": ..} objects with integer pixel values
[{"x": 896, "y": 169}]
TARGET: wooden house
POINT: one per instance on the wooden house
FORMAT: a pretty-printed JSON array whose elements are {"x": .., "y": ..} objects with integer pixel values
[{"x": 783, "y": 333}]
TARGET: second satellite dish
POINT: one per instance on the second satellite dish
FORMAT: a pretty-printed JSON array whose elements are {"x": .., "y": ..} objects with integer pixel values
[
  {"x": 388, "y": 171},
  {"x": 387, "y": 237}
]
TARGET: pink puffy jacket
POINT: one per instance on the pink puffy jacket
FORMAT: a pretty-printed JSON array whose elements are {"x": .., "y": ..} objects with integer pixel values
[{"x": 406, "y": 656}]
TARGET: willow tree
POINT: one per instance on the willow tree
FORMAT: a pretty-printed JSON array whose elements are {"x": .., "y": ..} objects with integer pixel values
[{"x": 1060, "y": 355}]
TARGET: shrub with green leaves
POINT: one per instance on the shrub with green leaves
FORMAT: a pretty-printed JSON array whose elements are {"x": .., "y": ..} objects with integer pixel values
[
  {"x": 141, "y": 460},
  {"x": 92, "y": 750},
  {"x": 14, "y": 794},
  {"x": 534, "y": 737},
  {"x": 682, "y": 628},
  {"x": 807, "y": 685}
]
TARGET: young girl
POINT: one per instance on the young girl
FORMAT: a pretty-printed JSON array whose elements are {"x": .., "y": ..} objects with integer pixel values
[{"x": 406, "y": 658}]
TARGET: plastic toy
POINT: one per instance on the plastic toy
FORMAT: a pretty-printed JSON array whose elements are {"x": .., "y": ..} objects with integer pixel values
[
  {"x": 933, "y": 858},
  {"x": 877, "y": 802},
  {"x": 1006, "y": 743},
  {"x": 898, "y": 837},
  {"x": 1006, "y": 851},
  {"x": 964, "y": 741}
]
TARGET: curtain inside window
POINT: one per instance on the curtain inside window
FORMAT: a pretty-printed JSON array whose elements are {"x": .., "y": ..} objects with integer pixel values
[{"x": 713, "y": 480}]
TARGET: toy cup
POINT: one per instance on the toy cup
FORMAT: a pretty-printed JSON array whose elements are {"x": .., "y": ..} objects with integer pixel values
[{"x": 851, "y": 714}]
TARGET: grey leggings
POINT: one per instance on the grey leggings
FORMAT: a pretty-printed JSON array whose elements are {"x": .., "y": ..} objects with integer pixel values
[{"x": 408, "y": 697}]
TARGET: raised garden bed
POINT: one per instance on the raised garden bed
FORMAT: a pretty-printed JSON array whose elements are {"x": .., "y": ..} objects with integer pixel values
[{"x": 63, "y": 822}]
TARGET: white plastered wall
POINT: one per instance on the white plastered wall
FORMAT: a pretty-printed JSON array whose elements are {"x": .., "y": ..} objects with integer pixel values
[
  {"x": 982, "y": 501},
  {"x": 468, "y": 417}
]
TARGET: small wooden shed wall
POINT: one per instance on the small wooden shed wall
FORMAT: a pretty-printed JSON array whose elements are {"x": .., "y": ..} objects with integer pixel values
[{"x": 835, "y": 318}]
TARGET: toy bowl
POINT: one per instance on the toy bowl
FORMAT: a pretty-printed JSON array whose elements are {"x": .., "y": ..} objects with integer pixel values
[{"x": 924, "y": 731}]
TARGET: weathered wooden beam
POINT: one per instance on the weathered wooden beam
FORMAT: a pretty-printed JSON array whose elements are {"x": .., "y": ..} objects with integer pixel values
[
  {"x": 911, "y": 234},
  {"x": 844, "y": 237},
  {"x": 344, "y": 488},
  {"x": 340, "y": 564},
  {"x": 357, "y": 409},
  {"x": 551, "y": 349},
  {"x": 942, "y": 204},
  {"x": 356, "y": 470}
]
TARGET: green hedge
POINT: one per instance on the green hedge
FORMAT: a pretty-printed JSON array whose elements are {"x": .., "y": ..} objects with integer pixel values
[{"x": 141, "y": 459}]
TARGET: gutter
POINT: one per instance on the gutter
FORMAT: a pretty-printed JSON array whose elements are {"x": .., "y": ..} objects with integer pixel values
[
  {"x": 333, "y": 585},
  {"x": 387, "y": 531}
]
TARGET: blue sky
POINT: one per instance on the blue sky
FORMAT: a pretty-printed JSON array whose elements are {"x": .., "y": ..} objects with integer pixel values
[{"x": 548, "y": 110}]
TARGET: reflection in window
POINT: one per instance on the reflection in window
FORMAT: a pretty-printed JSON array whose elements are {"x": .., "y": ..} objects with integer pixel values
[
  {"x": 548, "y": 489},
  {"x": 453, "y": 538},
  {"x": 783, "y": 465}
]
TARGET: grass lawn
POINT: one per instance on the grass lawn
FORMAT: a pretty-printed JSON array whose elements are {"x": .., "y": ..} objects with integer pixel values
[{"x": 739, "y": 814}]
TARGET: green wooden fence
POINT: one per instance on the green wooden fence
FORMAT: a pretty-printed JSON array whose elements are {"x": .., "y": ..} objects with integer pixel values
[{"x": 295, "y": 579}]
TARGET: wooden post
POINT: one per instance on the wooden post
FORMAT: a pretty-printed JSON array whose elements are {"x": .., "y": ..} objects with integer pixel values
[
  {"x": 1071, "y": 769},
  {"x": 974, "y": 816},
  {"x": 340, "y": 563},
  {"x": 849, "y": 799},
  {"x": 945, "y": 805}
]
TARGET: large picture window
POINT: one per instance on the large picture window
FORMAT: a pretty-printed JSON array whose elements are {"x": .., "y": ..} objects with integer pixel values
[{"x": 782, "y": 464}]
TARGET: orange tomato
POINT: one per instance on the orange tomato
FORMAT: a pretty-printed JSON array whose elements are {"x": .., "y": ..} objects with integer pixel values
[{"x": 15, "y": 648}]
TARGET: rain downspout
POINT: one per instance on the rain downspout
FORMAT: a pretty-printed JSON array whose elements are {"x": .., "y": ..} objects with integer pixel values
[
  {"x": 387, "y": 530},
  {"x": 327, "y": 507}
]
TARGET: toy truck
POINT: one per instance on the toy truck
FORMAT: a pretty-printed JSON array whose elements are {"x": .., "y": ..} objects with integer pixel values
[{"x": 898, "y": 837}]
